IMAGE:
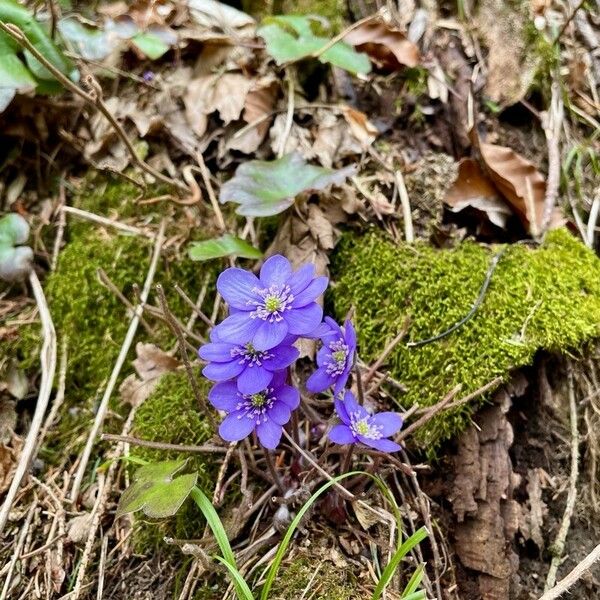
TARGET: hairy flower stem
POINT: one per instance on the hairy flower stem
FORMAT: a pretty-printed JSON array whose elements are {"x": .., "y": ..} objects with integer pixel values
[
  {"x": 347, "y": 462},
  {"x": 207, "y": 411},
  {"x": 359, "y": 385},
  {"x": 295, "y": 426},
  {"x": 271, "y": 466}
]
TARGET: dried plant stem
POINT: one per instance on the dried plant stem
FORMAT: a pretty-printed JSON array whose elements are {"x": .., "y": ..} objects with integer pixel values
[
  {"x": 48, "y": 364},
  {"x": 176, "y": 329},
  {"x": 206, "y": 449},
  {"x": 387, "y": 351},
  {"x": 217, "y": 498},
  {"x": 211, "y": 193},
  {"x": 409, "y": 232},
  {"x": 289, "y": 118},
  {"x": 340, "y": 36},
  {"x": 592, "y": 220},
  {"x": 112, "y": 382},
  {"x": 273, "y": 471},
  {"x": 94, "y": 98},
  {"x": 88, "y": 216},
  {"x": 559, "y": 543}
]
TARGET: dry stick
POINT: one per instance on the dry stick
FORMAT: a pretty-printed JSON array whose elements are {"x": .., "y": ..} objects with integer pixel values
[
  {"x": 94, "y": 98},
  {"x": 559, "y": 543},
  {"x": 88, "y": 216},
  {"x": 211, "y": 192},
  {"x": 340, "y": 36},
  {"x": 62, "y": 222},
  {"x": 289, "y": 119},
  {"x": 552, "y": 123},
  {"x": 177, "y": 331},
  {"x": 575, "y": 575},
  {"x": 48, "y": 364},
  {"x": 387, "y": 351},
  {"x": 409, "y": 232},
  {"x": 127, "y": 439},
  {"x": 273, "y": 471},
  {"x": 112, "y": 382},
  {"x": 592, "y": 220},
  {"x": 195, "y": 306},
  {"x": 219, "y": 485},
  {"x": 568, "y": 21}
]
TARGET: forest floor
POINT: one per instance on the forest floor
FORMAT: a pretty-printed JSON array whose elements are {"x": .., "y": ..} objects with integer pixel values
[{"x": 438, "y": 161}]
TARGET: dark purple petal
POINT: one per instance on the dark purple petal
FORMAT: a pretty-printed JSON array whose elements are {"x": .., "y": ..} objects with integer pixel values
[
  {"x": 238, "y": 328},
  {"x": 341, "y": 434},
  {"x": 253, "y": 379},
  {"x": 275, "y": 271},
  {"x": 301, "y": 278},
  {"x": 319, "y": 381},
  {"x": 236, "y": 285},
  {"x": 289, "y": 395},
  {"x": 383, "y": 444},
  {"x": 304, "y": 320},
  {"x": 269, "y": 433},
  {"x": 350, "y": 335},
  {"x": 279, "y": 379},
  {"x": 283, "y": 357},
  {"x": 222, "y": 371},
  {"x": 268, "y": 335},
  {"x": 216, "y": 352},
  {"x": 224, "y": 396},
  {"x": 236, "y": 426},
  {"x": 388, "y": 422},
  {"x": 312, "y": 291},
  {"x": 341, "y": 410},
  {"x": 340, "y": 383},
  {"x": 280, "y": 413},
  {"x": 353, "y": 407}
]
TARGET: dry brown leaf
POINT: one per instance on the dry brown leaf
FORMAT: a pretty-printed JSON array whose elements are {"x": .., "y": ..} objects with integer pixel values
[
  {"x": 518, "y": 181},
  {"x": 298, "y": 140},
  {"x": 78, "y": 528},
  {"x": 150, "y": 364},
  {"x": 473, "y": 189},
  {"x": 9, "y": 456},
  {"x": 388, "y": 48},
  {"x": 360, "y": 126}
]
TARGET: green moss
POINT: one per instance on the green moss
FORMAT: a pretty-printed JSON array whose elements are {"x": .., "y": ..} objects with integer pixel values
[
  {"x": 330, "y": 582},
  {"x": 546, "y": 298}
]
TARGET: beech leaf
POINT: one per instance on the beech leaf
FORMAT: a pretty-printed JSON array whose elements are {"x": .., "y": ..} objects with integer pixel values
[
  {"x": 15, "y": 259},
  {"x": 155, "y": 492},
  {"x": 264, "y": 188},
  {"x": 226, "y": 245},
  {"x": 289, "y": 38}
]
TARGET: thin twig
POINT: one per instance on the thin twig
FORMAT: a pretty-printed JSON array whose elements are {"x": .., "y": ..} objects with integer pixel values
[
  {"x": 112, "y": 382},
  {"x": 387, "y": 351},
  {"x": 559, "y": 543},
  {"x": 88, "y": 216},
  {"x": 94, "y": 98},
  {"x": 176, "y": 329},
  {"x": 568, "y": 21},
  {"x": 592, "y": 220},
  {"x": 48, "y": 364},
  {"x": 340, "y": 36},
  {"x": 273, "y": 471},
  {"x": 409, "y": 232},
  {"x": 211, "y": 192},
  {"x": 289, "y": 118},
  {"x": 488, "y": 277},
  {"x": 206, "y": 449}
]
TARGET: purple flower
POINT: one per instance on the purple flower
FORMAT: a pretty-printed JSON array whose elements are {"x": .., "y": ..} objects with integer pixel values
[
  {"x": 265, "y": 412},
  {"x": 335, "y": 359},
  {"x": 267, "y": 308},
  {"x": 253, "y": 369},
  {"x": 359, "y": 426}
]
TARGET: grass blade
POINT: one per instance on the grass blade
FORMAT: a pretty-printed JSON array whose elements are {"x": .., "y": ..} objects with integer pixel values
[
  {"x": 238, "y": 579},
  {"x": 414, "y": 582}
]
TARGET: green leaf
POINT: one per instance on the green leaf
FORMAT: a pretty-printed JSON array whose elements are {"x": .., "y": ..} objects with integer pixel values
[
  {"x": 150, "y": 45},
  {"x": 226, "y": 245},
  {"x": 289, "y": 38},
  {"x": 263, "y": 188},
  {"x": 15, "y": 259},
  {"x": 155, "y": 491},
  {"x": 88, "y": 42}
]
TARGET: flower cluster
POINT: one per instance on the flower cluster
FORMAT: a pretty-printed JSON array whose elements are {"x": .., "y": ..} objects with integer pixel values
[{"x": 250, "y": 352}]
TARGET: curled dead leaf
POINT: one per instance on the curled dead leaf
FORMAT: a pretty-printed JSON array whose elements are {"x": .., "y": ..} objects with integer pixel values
[
  {"x": 387, "y": 47},
  {"x": 360, "y": 126}
]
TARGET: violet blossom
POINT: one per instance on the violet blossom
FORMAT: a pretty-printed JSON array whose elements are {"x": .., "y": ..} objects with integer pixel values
[
  {"x": 265, "y": 412},
  {"x": 265, "y": 309},
  {"x": 358, "y": 425},
  {"x": 335, "y": 359}
]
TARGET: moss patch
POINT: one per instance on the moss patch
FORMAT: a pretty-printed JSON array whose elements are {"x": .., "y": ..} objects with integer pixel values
[{"x": 545, "y": 298}]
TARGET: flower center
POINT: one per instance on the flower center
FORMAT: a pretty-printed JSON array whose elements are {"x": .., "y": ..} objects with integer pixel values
[
  {"x": 365, "y": 427},
  {"x": 258, "y": 400},
  {"x": 255, "y": 406},
  {"x": 275, "y": 300},
  {"x": 249, "y": 355},
  {"x": 338, "y": 358}
]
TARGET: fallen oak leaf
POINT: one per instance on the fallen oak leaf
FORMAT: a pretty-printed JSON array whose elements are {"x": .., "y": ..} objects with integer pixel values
[
  {"x": 264, "y": 188},
  {"x": 387, "y": 47}
]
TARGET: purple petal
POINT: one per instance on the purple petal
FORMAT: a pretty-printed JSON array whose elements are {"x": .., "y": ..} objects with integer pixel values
[
  {"x": 238, "y": 328},
  {"x": 340, "y": 409},
  {"x": 253, "y": 379},
  {"x": 301, "y": 278},
  {"x": 283, "y": 357},
  {"x": 275, "y": 271},
  {"x": 341, "y": 434},
  {"x": 279, "y": 379},
  {"x": 216, "y": 352},
  {"x": 289, "y": 396},
  {"x": 236, "y": 285},
  {"x": 222, "y": 371},
  {"x": 319, "y": 381},
  {"x": 340, "y": 384},
  {"x": 323, "y": 355},
  {"x": 224, "y": 396},
  {"x": 319, "y": 332},
  {"x": 268, "y": 335},
  {"x": 312, "y": 291},
  {"x": 383, "y": 444},
  {"x": 280, "y": 413},
  {"x": 269, "y": 433},
  {"x": 236, "y": 426},
  {"x": 302, "y": 321},
  {"x": 352, "y": 405},
  {"x": 350, "y": 334},
  {"x": 389, "y": 422}
]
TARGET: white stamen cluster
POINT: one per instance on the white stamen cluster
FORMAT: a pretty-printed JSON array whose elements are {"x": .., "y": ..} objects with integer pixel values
[{"x": 276, "y": 299}]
